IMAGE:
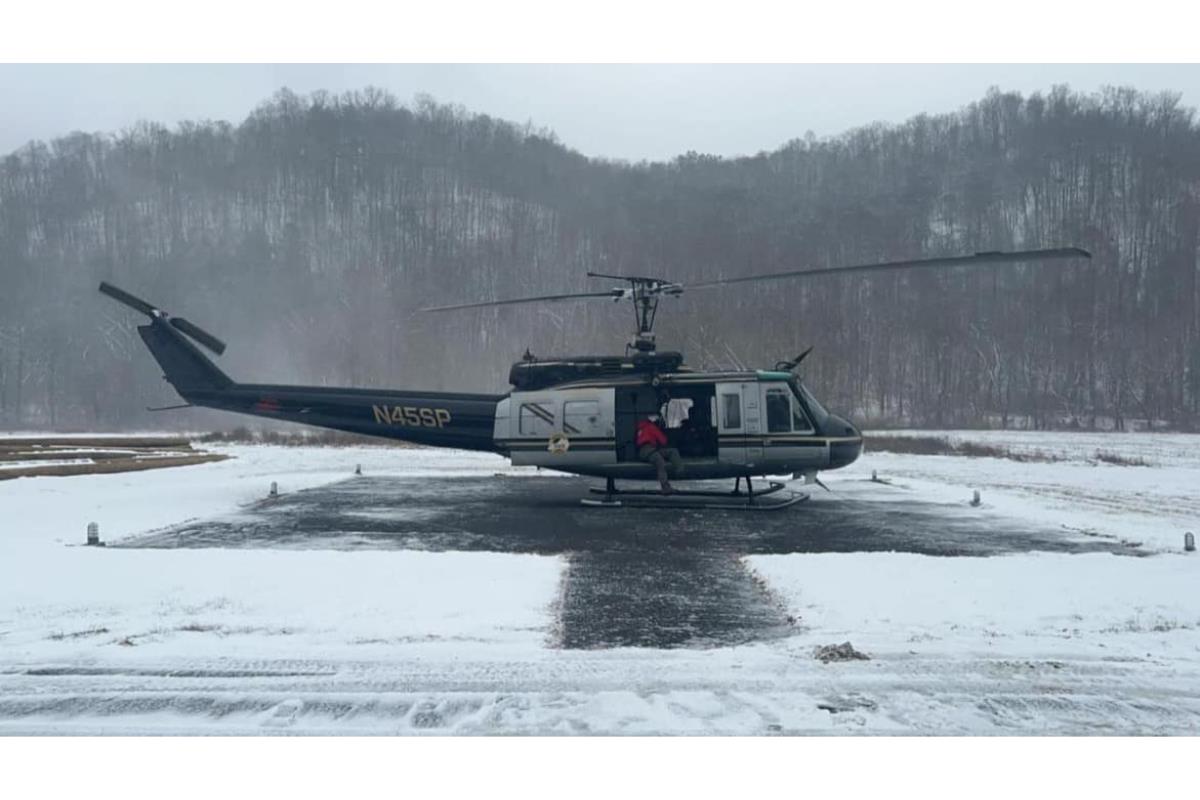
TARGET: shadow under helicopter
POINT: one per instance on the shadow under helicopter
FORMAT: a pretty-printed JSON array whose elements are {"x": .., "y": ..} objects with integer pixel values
[{"x": 636, "y": 577}]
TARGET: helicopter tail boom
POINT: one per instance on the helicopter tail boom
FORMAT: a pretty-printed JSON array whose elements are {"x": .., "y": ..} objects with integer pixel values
[{"x": 438, "y": 419}]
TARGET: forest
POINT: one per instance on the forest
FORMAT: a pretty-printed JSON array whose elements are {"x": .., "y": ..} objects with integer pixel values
[{"x": 309, "y": 235}]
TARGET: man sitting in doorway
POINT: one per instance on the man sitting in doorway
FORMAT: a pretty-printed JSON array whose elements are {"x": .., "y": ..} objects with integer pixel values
[{"x": 651, "y": 443}]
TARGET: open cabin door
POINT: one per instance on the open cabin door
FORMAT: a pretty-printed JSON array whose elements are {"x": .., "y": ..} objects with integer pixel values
[{"x": 632, "y": 403}]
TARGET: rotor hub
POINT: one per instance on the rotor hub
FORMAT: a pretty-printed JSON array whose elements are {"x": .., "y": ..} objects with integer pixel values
[{"x": 643, "y": 342}]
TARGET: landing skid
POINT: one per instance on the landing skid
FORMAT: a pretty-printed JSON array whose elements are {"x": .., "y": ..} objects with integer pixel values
[{"x": 736, "y": 500}]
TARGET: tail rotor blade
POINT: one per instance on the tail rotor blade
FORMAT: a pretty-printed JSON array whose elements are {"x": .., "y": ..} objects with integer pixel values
[
  {"x": 122, "y": 296},
  {"x": 199, "y": 334},
  {"x": 179, "y": 323}
]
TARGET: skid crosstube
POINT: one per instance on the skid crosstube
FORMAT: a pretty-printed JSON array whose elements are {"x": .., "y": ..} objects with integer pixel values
[
  {"x": 665, "y": 503},
  {"x": 694, "y": 498}
]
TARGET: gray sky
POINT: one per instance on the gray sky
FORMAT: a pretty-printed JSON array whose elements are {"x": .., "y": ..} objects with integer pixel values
[{"x": 622, "y": 111}]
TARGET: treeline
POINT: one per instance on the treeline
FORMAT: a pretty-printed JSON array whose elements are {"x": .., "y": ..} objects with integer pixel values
[{"x": 309, "y": 235}]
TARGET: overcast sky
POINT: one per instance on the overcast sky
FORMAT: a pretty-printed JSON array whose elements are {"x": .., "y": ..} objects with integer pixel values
[{"x": 632, "y": 112}]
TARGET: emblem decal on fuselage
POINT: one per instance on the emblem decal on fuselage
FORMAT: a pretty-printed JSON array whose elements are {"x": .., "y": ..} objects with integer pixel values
[{"x": 411, "y": 416}]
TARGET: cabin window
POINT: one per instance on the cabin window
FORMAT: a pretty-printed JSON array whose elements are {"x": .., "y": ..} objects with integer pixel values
[
  {"x": 779, "y": 411},
  {"x": 537, "y": 419},
  {"x": 582, "y": 418},
  {"x": 731, "y": 410}
]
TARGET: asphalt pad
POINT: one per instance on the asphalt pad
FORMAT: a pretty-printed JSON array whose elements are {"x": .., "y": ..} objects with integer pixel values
[{"x": 635, "y": 577}]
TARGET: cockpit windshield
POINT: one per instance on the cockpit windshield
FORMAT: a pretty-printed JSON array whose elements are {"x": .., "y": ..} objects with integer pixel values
[{"x": 817, "y": 410}]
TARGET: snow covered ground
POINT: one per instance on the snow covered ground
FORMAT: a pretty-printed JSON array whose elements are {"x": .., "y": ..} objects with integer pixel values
[
  {"x": 1153, "y": 505},
  {"x": 216, "y": 640}
]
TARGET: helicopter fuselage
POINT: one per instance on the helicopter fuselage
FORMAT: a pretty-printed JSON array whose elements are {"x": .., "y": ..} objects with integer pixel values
[
  {"x": 724, "y": 424},
  {"x": 578, "y": 415},
  {"x": 573, "y": 415}
]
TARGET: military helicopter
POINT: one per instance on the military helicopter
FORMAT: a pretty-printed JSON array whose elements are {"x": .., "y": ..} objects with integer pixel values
[{"x": 578, "y": 414}]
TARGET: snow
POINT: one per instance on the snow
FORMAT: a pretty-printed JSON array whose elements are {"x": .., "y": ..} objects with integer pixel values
[
  {"x": 260, "y": 603},
  {"x": 55, "y": 462},
  {"x": 1159, "y": 449},
  {"x": 273, "y": 604},
  {"x": 57, "y": 509},
  {"x": 1097, "y": 604},
  {"x": 240, "y": 641},
  {"x": 1151, "y": 505}
]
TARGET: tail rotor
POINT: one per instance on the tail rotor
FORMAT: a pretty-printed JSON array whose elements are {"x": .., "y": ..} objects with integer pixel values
[{"x": 191, "y": 329}]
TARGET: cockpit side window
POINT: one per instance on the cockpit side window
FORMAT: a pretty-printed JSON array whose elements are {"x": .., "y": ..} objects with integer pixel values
[
  {"x": 815, "y": 409},
  {"x": 779, "y": 410},
  {"x": 800, "y": 423}
]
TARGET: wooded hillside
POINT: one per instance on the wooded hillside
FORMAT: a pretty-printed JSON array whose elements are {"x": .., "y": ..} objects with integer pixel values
[{"x": 307, "y": 236}]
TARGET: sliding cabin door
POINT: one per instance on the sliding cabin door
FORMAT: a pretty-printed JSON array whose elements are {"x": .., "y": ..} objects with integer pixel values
[
  {"x": 570, "y": 428},
  {"x": 739, "y": 423}
]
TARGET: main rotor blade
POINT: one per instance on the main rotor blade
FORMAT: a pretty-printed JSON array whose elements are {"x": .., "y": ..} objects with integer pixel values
[
  {"x": 635, "y": 278},
  {"x": 124, "y": 297},
  {"x": 979, "y": 259},
  {"x": 574, "y": 296}
]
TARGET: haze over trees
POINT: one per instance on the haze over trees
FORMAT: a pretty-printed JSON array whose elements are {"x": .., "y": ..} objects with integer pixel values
[{"x": 308, "y": 235}]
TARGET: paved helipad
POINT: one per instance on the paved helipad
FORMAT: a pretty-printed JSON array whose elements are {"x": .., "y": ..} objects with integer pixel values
[{"x": 635, "y": 577}]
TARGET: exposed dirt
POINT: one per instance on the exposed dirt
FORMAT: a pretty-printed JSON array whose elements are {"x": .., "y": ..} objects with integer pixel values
[
  {"x": 305, "y": 438},
  {"x": 95, "y": 455},
  {"x": 839, "y": 652}
]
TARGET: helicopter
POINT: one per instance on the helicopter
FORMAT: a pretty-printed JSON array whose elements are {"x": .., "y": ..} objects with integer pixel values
[{"x": 578, "y": 414}]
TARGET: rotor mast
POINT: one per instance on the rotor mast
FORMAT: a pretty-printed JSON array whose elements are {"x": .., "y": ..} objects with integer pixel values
[{"x": 645, "y": 293}]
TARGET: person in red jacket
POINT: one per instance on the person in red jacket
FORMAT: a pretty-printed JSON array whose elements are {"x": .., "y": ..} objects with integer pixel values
[{"x": 651, "y": 443}]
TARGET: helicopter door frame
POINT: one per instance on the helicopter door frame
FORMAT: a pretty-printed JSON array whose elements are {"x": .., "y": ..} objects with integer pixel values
[
  {"x": 739, "y": 423},
  {"x": 752, "y": 411},
  {"x": 630, "y": 404}
]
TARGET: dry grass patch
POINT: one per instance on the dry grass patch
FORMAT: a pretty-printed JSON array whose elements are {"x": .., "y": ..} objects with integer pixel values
[
  {"x": 60, "y": 636},
  {"x": 1123, "y": 461},
  {"x": 95, "y": 455},
  {"x": 324, "y": 438},
  {"x": 942, "y": 446}
]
